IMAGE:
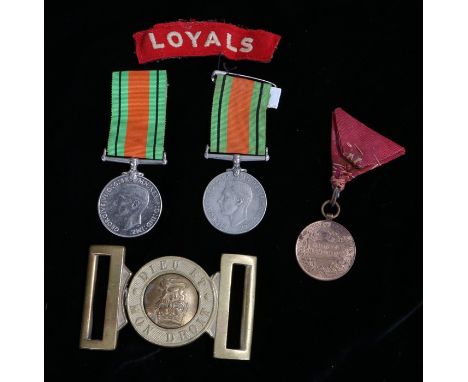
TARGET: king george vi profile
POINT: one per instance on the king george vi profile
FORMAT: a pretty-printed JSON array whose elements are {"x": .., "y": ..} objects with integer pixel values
[
  {"x": 234, "y": 202},
  {"x": 128, "y": 205}
]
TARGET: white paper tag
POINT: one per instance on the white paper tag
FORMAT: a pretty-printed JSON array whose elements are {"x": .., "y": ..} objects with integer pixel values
[{"x": 275, "y": 94}]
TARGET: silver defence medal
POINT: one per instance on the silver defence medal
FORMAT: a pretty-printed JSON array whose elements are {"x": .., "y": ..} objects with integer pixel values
[
  {"x": 130, "y": 205},
  {"x": 170, "y": 302},
  {"x": 235, "y": 202}
]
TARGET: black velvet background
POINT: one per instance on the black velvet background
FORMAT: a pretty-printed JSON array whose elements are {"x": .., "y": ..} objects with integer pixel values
[{"x": 363, "y": 56}]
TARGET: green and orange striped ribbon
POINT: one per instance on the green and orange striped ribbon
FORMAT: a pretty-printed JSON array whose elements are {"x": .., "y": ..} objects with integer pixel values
[
  {"x": 238, "y": 115},
  {"x": 138, "y": 114}
]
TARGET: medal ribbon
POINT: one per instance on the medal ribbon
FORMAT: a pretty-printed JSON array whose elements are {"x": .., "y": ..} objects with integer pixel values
[
  {"x": 357, "y": 149},
  {"x": 238, "y": 115},
  {"x": 138, "y": 114}
]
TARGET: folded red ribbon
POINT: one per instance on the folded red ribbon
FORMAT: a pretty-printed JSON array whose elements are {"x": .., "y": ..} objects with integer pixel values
[
  {"x": 357, "y": 149},
  {"x": 200, "y": 38}
]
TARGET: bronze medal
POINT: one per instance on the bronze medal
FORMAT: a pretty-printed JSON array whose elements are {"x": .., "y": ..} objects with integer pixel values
[{"x": 325, "y": 250}]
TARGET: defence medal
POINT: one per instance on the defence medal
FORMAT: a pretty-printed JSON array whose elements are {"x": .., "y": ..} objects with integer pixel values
[
  {"x": 170, "y": 302},
  {"x": 130, "y": 205},
  {"x": 325, "y": 249},
  {"x": 235, "y": 202}
]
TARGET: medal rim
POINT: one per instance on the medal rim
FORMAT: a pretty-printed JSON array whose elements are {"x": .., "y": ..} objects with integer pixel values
[
  {"x": 307, "y": 272},
  {"x": 212, "y": 288},
  {"x": 235, "y": 233},
  {"x": 118, "y": 233}
]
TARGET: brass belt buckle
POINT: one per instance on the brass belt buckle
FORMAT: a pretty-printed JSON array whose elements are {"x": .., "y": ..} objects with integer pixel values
[{"x": 171, "y": 301}]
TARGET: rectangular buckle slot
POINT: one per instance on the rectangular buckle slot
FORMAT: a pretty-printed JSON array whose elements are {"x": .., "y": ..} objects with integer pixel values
[
  {"x": 222, "y": 322},
  {"x": 114, "y": 287},
  {"x": 100, "y": 296}
]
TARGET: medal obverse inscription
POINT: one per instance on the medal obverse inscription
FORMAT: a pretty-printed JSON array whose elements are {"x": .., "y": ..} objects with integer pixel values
[
  {"x": 129, "y": 206},
  {"x": 325, "y": 250},
  {"x": 234, "y": 204},
  {"x": 171, "y": 301}
]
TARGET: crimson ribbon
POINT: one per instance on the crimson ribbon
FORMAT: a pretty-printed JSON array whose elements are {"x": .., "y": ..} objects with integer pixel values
[
  {"x": 357, "y": 149},
  {"x": 204, "y": 38}
]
